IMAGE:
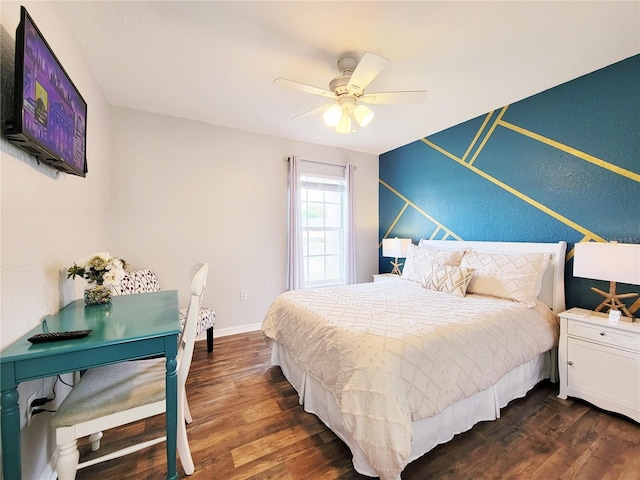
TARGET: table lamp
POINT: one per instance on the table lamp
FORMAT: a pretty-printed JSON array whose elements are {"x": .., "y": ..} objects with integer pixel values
[
  {"x": 397, "y": 248},
  {"x": 613, "y": 262}
]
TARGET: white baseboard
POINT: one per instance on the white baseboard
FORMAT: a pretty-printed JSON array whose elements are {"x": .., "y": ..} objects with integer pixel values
[{"x": 225, "y": 332}]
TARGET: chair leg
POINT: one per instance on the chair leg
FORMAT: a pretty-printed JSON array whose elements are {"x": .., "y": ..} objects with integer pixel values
[
  {"x": 183, "y": 449},
  {"x": 182, "y": 443},
  {"x": 95, "y": 441},
  {"x": 187, "y": 412},
  {"x": 210, "y": 339},
  {"x": 68, "y": 459}
]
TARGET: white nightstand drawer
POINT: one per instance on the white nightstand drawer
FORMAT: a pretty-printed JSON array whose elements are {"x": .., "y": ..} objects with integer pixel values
[
  {"x": 384, "y": 277},
  {"x": 604, "y": 335}
]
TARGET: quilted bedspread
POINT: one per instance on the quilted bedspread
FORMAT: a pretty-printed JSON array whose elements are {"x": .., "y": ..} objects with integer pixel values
[{"x": 393, "y": 352}]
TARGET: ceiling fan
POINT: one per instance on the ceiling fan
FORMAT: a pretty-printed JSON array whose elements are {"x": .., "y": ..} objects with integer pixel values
[{"x": 348, "y": 93}]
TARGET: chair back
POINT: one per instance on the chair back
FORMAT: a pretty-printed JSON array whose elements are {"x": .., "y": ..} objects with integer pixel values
[
  {"x": 137, "y": 281},
  {"x": 199, "y": 274}
]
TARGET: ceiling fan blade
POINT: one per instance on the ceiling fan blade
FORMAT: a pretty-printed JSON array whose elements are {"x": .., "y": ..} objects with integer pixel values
[
  {"x": 368, "y": 68},
  {"x": 313, "y": 111},
  {"x": 303, "y": 87},
  {"x": 405, "y": 98}
]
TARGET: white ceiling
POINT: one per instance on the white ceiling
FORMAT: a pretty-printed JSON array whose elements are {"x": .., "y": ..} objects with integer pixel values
[{"x": 215, "y": 62}]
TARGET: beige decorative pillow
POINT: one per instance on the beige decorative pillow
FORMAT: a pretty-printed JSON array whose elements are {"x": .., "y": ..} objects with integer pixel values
[
  {"x": 514, "y": 276},
  {"x": 450, "y": 279},
  {"x": 421, "y": 261}
]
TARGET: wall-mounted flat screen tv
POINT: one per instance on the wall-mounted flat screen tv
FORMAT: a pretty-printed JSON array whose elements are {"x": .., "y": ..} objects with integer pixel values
[{"x": 50, "y": 118}]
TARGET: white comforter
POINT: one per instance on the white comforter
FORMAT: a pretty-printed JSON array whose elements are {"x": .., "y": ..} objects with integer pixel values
[{"x": 393, "y": 352}]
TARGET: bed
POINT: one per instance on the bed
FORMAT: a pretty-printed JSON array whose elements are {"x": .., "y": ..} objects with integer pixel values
[{"x": 395, "y": 368}]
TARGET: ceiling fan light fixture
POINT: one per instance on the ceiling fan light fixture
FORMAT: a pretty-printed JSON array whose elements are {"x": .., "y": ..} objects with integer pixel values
[
  {"x": 348, "y": 88},
  {"x": 332, "y": 115},
  {"x": 363, "y": 115},
  {"x": 344, "y": 126}
]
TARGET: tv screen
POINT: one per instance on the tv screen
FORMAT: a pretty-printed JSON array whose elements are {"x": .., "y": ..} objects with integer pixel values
[{"x": 50, "y": 119}]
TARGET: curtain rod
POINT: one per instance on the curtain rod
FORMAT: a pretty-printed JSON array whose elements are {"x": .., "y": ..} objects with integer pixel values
[{"x": 287, "y": 159}]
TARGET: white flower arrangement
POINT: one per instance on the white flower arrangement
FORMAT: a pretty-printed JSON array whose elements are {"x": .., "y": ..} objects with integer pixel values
[{"x": 99, "y": 268}]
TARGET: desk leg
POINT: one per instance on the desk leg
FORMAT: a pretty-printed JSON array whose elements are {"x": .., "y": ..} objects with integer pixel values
[
  {"x": 10, "y": 418},
  {"x": 172, "y": 415}
]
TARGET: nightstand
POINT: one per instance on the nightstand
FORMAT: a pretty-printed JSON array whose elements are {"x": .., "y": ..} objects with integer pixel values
[
  {"x": 383, "y": 277},
  {"x": 600, "y": 361}
]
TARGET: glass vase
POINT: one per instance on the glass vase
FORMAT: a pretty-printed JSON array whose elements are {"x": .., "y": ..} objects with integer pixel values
[{"x": 97, "y": 295}]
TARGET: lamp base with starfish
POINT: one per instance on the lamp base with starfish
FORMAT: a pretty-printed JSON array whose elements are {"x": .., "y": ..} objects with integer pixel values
[
  {"x": 612, "y": 300},
  {"x": 396, "y": 267}
]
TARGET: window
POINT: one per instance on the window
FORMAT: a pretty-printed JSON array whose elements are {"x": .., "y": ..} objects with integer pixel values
[
  {"x": 322, "y": 208},
  {"x": 321, "y": 231}
]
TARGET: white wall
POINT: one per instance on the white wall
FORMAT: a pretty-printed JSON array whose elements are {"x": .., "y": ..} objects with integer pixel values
[
  {"x": 185, "y": 192},
  {"x": 48, "y": 220}
]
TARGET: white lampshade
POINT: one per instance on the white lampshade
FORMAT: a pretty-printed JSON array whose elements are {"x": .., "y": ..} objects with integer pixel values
[
  {"x": 613, "y": 262},
  {"x": 363, "y": 115},
  {"x": 332, "y": 115},
  {"x": 344, "y": 125},
  {"x": 395, "y": 247}
]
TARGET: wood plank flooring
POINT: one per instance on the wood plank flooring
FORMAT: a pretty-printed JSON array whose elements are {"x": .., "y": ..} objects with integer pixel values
[{"x": 248, "y": 425}]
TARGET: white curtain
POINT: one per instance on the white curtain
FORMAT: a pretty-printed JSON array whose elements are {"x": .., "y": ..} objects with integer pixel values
[
  {"x": 295, "y": 273},
  {"x": 350, "y": 247}
]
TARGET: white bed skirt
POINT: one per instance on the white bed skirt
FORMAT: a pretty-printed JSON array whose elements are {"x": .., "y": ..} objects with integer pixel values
[{"x": 429, "y": 432}]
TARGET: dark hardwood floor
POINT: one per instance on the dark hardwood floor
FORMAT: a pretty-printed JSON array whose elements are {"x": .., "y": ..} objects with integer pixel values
[{"x": 248, "y": 425}]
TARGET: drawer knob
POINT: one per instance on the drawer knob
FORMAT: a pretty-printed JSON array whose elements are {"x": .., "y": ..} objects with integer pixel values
[
  {"x": 570, "y": 362},
  {"x": 603, "y": 333}
]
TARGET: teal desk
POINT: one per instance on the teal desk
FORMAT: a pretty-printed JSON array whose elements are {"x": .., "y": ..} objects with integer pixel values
[{"x": 131, "y": 327}]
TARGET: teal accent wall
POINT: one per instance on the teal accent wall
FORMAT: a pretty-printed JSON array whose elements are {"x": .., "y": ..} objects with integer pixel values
[{"x": 561, "y": 165}]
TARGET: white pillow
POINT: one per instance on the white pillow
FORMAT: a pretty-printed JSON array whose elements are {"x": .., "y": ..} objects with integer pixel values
[
  {"x": 421, "y": 261},
  {"x": 450, "y": 279},
  {"x": 514, "y": 276}
]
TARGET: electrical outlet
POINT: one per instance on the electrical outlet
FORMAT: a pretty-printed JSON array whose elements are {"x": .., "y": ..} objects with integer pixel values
[
  {"x": 30, "y": 407},
  {"x": 243, "y": 294},
  {"x": 30, "y": 399}
]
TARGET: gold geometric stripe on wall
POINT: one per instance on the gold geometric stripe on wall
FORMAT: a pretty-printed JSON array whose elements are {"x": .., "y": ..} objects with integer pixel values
[
  {"x": 588, "y": 235},
  {"x": 540, "y": 138},
  {"x": 498, "y": 121},
  {"x": 489, "y": 133},
  {"x": 393, "y": 224},
  {"x": 448, "y": 233},
  {"x": 586, "y": 238},
  {"x": 475, "y": 139},
  {"x": 576, "y": 153}
]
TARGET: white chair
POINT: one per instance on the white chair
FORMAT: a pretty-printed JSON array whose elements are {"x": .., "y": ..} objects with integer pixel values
[{"x": 115, "y": 395}]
